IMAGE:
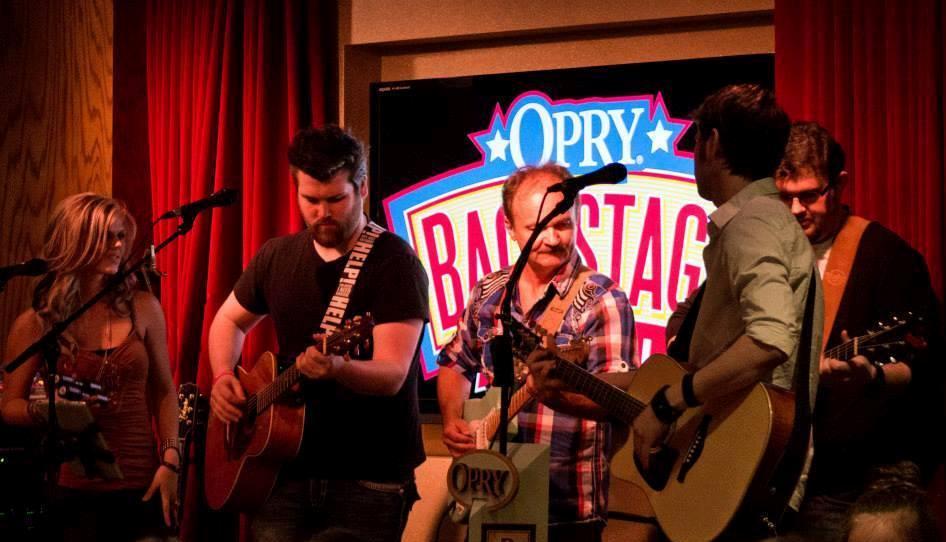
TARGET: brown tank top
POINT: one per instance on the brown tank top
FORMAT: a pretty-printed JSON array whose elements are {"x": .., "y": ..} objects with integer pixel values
[{"x": 126, "y": 421}]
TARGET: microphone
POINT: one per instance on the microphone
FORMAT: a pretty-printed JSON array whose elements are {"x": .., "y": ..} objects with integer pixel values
[
  {"x": 609, "y": 174},
  {"x": 221, "y": 198},
  {"x": 29, "y": 268}
]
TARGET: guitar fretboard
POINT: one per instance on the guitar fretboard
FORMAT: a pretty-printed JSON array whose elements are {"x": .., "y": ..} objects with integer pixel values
[
  {"x": 261, "y": 400},
  {"x": 863, "y": 343},
  {"x": 621, "y": 405},
  {"x": 490, "y": 423}
]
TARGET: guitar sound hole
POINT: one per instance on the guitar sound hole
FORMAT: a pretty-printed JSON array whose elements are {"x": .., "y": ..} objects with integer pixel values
[{"x": 661, "y": 463}]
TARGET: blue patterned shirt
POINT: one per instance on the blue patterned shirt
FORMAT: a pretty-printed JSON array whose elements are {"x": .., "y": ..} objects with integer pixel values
[{"x": 579, "y": 448}]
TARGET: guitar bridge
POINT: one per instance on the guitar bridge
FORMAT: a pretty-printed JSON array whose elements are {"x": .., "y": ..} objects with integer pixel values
[{"x": 695, "y": 450}]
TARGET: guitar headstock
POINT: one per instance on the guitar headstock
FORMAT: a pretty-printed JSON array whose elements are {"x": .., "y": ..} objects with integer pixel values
[
  {"x": 897, "y": 338},
  {"x": 188, "y": 401},
  {"x": 355, "y": 333},
  {"x": 525, "y": 341}
]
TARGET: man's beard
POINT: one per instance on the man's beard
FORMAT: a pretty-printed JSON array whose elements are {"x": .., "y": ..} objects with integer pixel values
[{"x": 331, "y": 234}]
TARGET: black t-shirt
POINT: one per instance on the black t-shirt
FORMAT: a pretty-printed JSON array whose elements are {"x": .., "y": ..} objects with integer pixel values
[{"x": 347, "y": 435}]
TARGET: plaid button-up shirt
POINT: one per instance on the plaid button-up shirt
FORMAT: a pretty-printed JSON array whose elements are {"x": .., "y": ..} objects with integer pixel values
[{"x": 579, "y": 448}]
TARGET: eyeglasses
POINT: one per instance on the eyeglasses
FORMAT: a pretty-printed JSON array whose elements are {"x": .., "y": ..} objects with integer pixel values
[{"x": 806, "y": 198}]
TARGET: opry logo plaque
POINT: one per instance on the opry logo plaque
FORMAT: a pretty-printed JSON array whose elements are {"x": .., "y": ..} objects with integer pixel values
[{"x": 646, "y": 233}]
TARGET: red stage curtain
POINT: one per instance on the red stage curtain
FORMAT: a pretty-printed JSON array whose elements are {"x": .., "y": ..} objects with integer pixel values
[
  {"x": 229, "y": 82},
  {"x": 872, "y": 72}
]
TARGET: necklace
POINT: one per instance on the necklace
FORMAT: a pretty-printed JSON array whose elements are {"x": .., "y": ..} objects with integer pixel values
[{"x": 108, "y": 326}]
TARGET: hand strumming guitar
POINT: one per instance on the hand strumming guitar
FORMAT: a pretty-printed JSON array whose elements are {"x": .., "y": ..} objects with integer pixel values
[{"x": 227, "y": 398}]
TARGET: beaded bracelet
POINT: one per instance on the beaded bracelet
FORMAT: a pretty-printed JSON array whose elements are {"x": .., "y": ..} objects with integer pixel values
[{"x": 169, "y": 444}]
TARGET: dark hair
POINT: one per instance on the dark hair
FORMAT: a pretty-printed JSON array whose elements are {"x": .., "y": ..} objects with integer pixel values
[
  {"x": 811, "y": 150},
  {"x": 512, "y": 184},
  {"x": 897, "y": 492},
  {"x": 752, "y": 128},
  {"x": 323, "y": 152}
]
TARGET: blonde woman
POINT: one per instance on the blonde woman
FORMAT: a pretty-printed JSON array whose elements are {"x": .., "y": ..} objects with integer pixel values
[{"x": 119, "y": 343}]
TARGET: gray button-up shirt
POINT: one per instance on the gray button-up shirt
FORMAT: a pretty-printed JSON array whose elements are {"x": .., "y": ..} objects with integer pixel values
[{"x": 759, "y": 264}]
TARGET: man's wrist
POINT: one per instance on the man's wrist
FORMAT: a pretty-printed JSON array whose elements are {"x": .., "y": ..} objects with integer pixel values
[
  {"x": 220, "y": 375},
  {"x": 339, "y": 367},
  {"x": 662, "y": 408},
  {"x": 876, "y": 384},
  {"x": 675, "y": 398}
]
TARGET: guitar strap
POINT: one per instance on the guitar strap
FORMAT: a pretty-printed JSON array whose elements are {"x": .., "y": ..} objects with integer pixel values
[
  {"x": 551, "y": 319},
  {"x": 795, "y": 456},
  {"x": 838, "y": 269},
  {"x": 335, "y": 312},
  {"x": 679, "y": 349}
]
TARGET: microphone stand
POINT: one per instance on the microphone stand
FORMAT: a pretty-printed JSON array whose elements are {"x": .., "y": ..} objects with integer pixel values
[
  {"x": 501, "y": 345},
  {"x": 48, "y": 346}
]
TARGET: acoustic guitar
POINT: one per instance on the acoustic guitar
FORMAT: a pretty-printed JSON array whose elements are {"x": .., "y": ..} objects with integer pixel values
[{"x": 243, "y": 459}]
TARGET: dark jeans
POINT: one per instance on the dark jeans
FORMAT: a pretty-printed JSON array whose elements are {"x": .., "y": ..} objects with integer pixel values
[
  {"x": 586, "y": 531},
  {"x": 335, "y": 511},
  {"x": 114, "y": 516}
]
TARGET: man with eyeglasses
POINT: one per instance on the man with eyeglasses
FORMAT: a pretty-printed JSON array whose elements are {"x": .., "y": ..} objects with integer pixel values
[{"x": 869, "y": 407}]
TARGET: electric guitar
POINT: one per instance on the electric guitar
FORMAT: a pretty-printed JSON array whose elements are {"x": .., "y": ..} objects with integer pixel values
[
  {"x": 483, "y": 413},
  {"x": 243, "y": 459}
]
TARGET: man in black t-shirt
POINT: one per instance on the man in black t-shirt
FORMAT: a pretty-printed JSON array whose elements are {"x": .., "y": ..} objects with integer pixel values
[{"x": 361, "y": 440}]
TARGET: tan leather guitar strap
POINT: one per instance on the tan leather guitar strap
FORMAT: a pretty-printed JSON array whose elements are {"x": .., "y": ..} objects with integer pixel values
[
  {"x": 551, "y": 319},
  {"x": 335, "y": 312},
  {"x": 838, "y": 269}
]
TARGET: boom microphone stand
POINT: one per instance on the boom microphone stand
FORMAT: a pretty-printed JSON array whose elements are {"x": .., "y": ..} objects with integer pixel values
[{"x": 501, "y": 346}]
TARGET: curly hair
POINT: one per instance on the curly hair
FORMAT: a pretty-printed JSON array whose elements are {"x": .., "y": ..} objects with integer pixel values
[
  {"x": 512, "y": 184},
  {"x": 323, "y": 152},
  {"x": 811, "y": 150},
  {"x": 77, "y": 238},
  {"x": 752, "y": 128}
]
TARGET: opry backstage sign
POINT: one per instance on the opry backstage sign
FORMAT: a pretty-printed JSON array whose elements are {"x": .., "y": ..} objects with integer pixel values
[{"x": 647, "y": 233}]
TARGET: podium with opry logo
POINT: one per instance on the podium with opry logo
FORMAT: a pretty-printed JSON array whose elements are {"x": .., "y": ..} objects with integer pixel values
[{"x": 504, "y": 499}]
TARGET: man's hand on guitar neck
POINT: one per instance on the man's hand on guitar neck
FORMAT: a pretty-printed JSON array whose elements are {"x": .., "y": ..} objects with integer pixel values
[
  {"x": 318, "y": 366},
  {"x": 458, "y": 436},
  {"x": 541, "y": 381}
]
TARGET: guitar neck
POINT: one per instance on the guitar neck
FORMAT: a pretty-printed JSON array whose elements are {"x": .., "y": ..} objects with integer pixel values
[
  {"x": 262, "y": 399},
  {"x": 853, "y": 347},
  {"x": 517, "y": 402},
  {"x": 621, "y": 405}
]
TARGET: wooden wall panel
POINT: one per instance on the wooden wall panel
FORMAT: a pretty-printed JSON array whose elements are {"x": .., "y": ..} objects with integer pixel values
[{"x": 55, "y": 121}]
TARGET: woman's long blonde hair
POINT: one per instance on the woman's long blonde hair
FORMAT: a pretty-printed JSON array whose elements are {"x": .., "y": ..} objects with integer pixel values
[{"x": 77, "y": 238}]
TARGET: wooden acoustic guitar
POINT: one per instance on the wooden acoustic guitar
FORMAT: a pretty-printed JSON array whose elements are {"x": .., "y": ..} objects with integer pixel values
[
  {"x": 718, "y": 463},
  {"x": 243, "y": 459}
]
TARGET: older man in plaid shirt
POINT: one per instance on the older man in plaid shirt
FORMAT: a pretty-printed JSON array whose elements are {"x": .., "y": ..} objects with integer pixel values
[{"x": 574, "y": 427}]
